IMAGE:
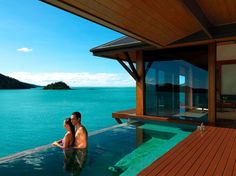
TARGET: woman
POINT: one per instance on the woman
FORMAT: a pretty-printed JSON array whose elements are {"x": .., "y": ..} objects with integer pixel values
[{"x": 69, "y": 138}]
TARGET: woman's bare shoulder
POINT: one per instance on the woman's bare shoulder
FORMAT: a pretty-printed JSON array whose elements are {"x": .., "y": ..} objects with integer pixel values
[{"x": 68, "y": 134}]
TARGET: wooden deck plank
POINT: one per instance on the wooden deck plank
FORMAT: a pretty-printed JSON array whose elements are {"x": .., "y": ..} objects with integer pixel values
[
  {"x": 232, "y": 159},
  {"x": 197, "y": 150},
  {"x": 199, "y": 156},
  {"x": 211, "y": 154},
  {"x": 223, "y": 161},
  {"x": 174, "y": 151},
  {"x": 217, "y": 149},
  {"x": 175, "y": 158},
  {"x": 177, "y": 148},
  {"x": 212, "y": 164},
  {"x": 234, "y": 172}
]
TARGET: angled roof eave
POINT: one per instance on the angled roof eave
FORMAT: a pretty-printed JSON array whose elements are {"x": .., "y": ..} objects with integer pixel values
[{"x": 119, "y": 45}]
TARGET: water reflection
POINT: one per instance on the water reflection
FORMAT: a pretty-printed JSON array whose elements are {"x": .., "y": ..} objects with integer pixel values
[
  {"x": 74, "y": 160},
  {"x": 141, "y": 145},
  {"x": 177, "y": 89}
]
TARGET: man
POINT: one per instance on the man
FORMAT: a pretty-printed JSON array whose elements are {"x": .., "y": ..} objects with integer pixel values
[{"x": 81, "y": 135}]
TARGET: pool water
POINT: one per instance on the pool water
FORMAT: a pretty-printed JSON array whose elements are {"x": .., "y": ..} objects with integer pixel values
[{"x": 121, "y": 150}]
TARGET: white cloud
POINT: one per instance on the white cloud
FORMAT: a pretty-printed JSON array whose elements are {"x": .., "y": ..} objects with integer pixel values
[
  {"x": 25, "y": 50},
  {"x": 76, "y": 79}
]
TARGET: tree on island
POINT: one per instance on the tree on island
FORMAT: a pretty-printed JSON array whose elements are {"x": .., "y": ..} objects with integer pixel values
[
  {"x": 7, "y": 82},
  {"x": 57, "y": 86}
]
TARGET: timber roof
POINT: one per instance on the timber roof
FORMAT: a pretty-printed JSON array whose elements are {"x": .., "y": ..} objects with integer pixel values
[{"x": 160, "y": 23}]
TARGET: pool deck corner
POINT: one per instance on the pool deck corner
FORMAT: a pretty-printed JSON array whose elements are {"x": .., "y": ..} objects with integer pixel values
[{"x": 212, "y": 152}]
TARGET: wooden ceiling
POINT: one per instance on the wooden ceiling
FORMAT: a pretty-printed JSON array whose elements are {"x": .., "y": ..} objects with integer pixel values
[
  {"x": 157, "y": 22},
  {"x": 219, "y": 12}
]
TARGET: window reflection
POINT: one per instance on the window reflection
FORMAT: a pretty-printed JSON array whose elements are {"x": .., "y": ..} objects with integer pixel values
[{"x": 177, "y": 89}]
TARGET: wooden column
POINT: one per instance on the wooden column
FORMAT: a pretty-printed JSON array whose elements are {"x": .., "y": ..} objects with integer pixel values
[
  {"x": 140, "y": 84},
  {"x": 211, "y": 82}
]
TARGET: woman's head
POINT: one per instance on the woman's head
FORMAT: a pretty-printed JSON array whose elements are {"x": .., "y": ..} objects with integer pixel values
[{"x": 68, "y": 125}]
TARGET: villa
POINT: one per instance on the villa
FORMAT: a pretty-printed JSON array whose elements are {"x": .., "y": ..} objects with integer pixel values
[
  {"x": 183, "y": 47},
  {"x": 182, "y": 55}
]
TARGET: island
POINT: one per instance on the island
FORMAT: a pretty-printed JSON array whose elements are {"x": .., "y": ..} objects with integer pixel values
[
  {"x": 57, "y": 86},
  {"x": 7, "y": 82}
]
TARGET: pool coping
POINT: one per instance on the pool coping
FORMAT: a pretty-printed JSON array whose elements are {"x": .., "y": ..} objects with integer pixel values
[{"x": 47, "y": 146}]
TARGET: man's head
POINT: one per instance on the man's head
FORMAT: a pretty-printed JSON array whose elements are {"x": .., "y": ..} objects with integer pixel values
[{"x": 75, "y": 118}]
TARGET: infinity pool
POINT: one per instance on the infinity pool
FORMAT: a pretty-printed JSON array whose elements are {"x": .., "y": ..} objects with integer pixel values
[{"x": 120, "y": 150}]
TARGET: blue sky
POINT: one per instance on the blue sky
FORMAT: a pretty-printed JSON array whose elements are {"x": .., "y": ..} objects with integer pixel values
[{"x": 40, "y": 44}]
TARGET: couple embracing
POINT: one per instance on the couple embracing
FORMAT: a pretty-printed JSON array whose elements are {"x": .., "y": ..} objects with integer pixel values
[
  {"x": 76, "y": 136},
  {"x": 74, "y": 143}
]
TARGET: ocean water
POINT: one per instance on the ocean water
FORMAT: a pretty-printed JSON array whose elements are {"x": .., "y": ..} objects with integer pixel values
[{"x": 34, "y": 117}]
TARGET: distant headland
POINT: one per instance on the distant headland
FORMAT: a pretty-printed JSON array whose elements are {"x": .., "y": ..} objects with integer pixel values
[
  {"x": 7, "y": 82},
  {"x": 57, "y": 86}
]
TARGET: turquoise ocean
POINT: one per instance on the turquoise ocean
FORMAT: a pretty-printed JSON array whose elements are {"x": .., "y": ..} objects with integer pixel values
[{"x": 34, "y": 117}]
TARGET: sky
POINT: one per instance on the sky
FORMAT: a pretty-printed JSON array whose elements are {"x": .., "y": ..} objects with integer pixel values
[{"x": 42, "y": 44}]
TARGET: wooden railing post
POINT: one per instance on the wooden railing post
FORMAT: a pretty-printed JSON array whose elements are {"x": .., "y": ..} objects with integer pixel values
[{"x": 211, "y": 83}]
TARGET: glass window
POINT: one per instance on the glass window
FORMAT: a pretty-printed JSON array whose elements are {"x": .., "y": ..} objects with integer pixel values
[
  {"x": 177, "y": 88},
  {"x": 226, "y": 92}
]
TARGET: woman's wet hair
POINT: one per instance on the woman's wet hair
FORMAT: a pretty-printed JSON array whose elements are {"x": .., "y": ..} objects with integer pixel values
[{"x": 72, "y": 128}]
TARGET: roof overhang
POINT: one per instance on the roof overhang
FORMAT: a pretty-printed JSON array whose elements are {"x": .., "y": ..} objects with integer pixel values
[
  {"x": 116, "y": 48},
  {"x": 156, "y": 22}
]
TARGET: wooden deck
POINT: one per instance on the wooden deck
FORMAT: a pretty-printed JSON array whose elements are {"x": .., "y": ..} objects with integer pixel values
[
  {"x": 131, "y": 113},
  {"x": 210, "y": 153}
]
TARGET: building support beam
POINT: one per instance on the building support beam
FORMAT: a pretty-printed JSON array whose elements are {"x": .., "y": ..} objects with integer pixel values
[
  {"x": 118, "y": 121},
  {"x": 212, "y": 83},
  {"x": 132, "y": 66},
  {"x": 126, "y": 68},
  {"x": 197, "y": 13},
  {"x": 140, "y": 87}
]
